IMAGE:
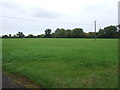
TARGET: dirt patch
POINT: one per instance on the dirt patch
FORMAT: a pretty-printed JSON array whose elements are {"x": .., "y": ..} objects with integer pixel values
[{"x": 13, "y": 81}]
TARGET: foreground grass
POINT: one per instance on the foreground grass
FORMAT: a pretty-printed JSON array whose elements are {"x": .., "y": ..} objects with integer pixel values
[{"x": 63, "y": 63}]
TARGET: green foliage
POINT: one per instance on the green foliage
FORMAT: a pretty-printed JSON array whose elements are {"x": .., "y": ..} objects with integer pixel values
[
  {"x": 60, "y": 33},
  {"x": 20, "y": 35},
  {"x": 68, "y": 33},
  {"x": 77, "y": 33},
  {"x": 108, "y": 32},
  {"x": 63, "y": 63},
  {"x": 47, "y": 33},
  {"x": 42, "y": 35},
  {"x": 30, "y": 36},
  {"x": 91, "y": 35},
  {"x": 5, "y": 36}
]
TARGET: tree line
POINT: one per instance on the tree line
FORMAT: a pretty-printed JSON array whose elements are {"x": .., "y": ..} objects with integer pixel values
[{"x": 107, "y": 32}]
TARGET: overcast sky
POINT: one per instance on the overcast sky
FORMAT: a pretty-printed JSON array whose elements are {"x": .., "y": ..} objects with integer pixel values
[{"x": 34, "y": 16}]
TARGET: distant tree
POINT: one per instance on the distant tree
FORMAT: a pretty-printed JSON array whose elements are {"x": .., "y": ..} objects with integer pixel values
[
  {"x": 57, "y": 31},
  {"x": 91, "y": 34},
  {"x": 118, "y": 35},
  {"x": 86, "y": 35},
  {"x": 42, "y": 35},
  {"x": 118, "y": 26},
  {"x": 118, "y": 31},
  {"x": 5, "y": 36},
  {"x": 10, "y": 36},
  {"x": 48, "y": 33},
  {"x": 20, "y": 35},
  {"x": 108, "y": 32},
  {"x": 53, "y": 35},
  {"x": 30, "y": 36},
  {"x": 101, "y": 33},
  {"x": 38, "y": 36},
  {"x": 68, "y": 33},
  {"x": 77, "y": 33},
  {"x": 14, "y": 36},
  {"x": 60, "y": 33}
]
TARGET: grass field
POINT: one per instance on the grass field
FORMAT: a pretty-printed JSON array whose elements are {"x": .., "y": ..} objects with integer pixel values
[{"x": 63, "y": 63}]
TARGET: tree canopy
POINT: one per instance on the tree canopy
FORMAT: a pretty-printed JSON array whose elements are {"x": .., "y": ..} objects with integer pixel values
[
  {"x": 106, "y": 32},
  {"x": 48, "y": 33}
]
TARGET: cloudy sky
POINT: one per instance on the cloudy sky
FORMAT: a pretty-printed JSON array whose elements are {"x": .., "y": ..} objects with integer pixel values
[{"x": 34, "y": 16}]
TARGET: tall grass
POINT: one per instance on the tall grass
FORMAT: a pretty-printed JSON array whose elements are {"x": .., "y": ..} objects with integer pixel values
[{"x": 63, "y": 63}]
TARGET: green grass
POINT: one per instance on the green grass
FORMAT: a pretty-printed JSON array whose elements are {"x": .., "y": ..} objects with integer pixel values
[{"x": 63, "y": 63}]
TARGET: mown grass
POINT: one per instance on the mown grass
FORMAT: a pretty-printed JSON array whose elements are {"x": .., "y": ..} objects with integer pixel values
[{"x": 63, "y": 63}]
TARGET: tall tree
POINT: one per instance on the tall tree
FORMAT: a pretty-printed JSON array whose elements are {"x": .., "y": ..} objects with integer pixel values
[
  {"x": 57, "y": 31},
  {"x": 10, "y": 36},
  {"x": 20, "y": 35},
  {"x": 77, "y": 33},
  {"x": 101, "y": 33},
  {"x": 91, "y": 34},
  {"x": 108, "y": 32},
  {"x": 48, "y": 33},
  {"x": 68, "y": 33},
  {"x": 60, "y": 33}
]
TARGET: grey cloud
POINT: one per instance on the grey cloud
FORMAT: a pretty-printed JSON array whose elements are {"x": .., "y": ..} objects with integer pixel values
[
  {"x": 29, "y": 10},
  {"x": 13, "y": 7},
  {"x": 10, "y": 5},
  {"x": 42, "y": 13},
  {"x": 96, "y": 8}
]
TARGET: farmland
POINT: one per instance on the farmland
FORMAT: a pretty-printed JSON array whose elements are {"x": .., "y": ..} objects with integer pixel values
[{"x": 63, "y": 63}]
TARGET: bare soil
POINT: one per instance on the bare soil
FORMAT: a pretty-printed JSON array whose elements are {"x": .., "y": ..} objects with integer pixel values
[{"x": 12, "y": 81}]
